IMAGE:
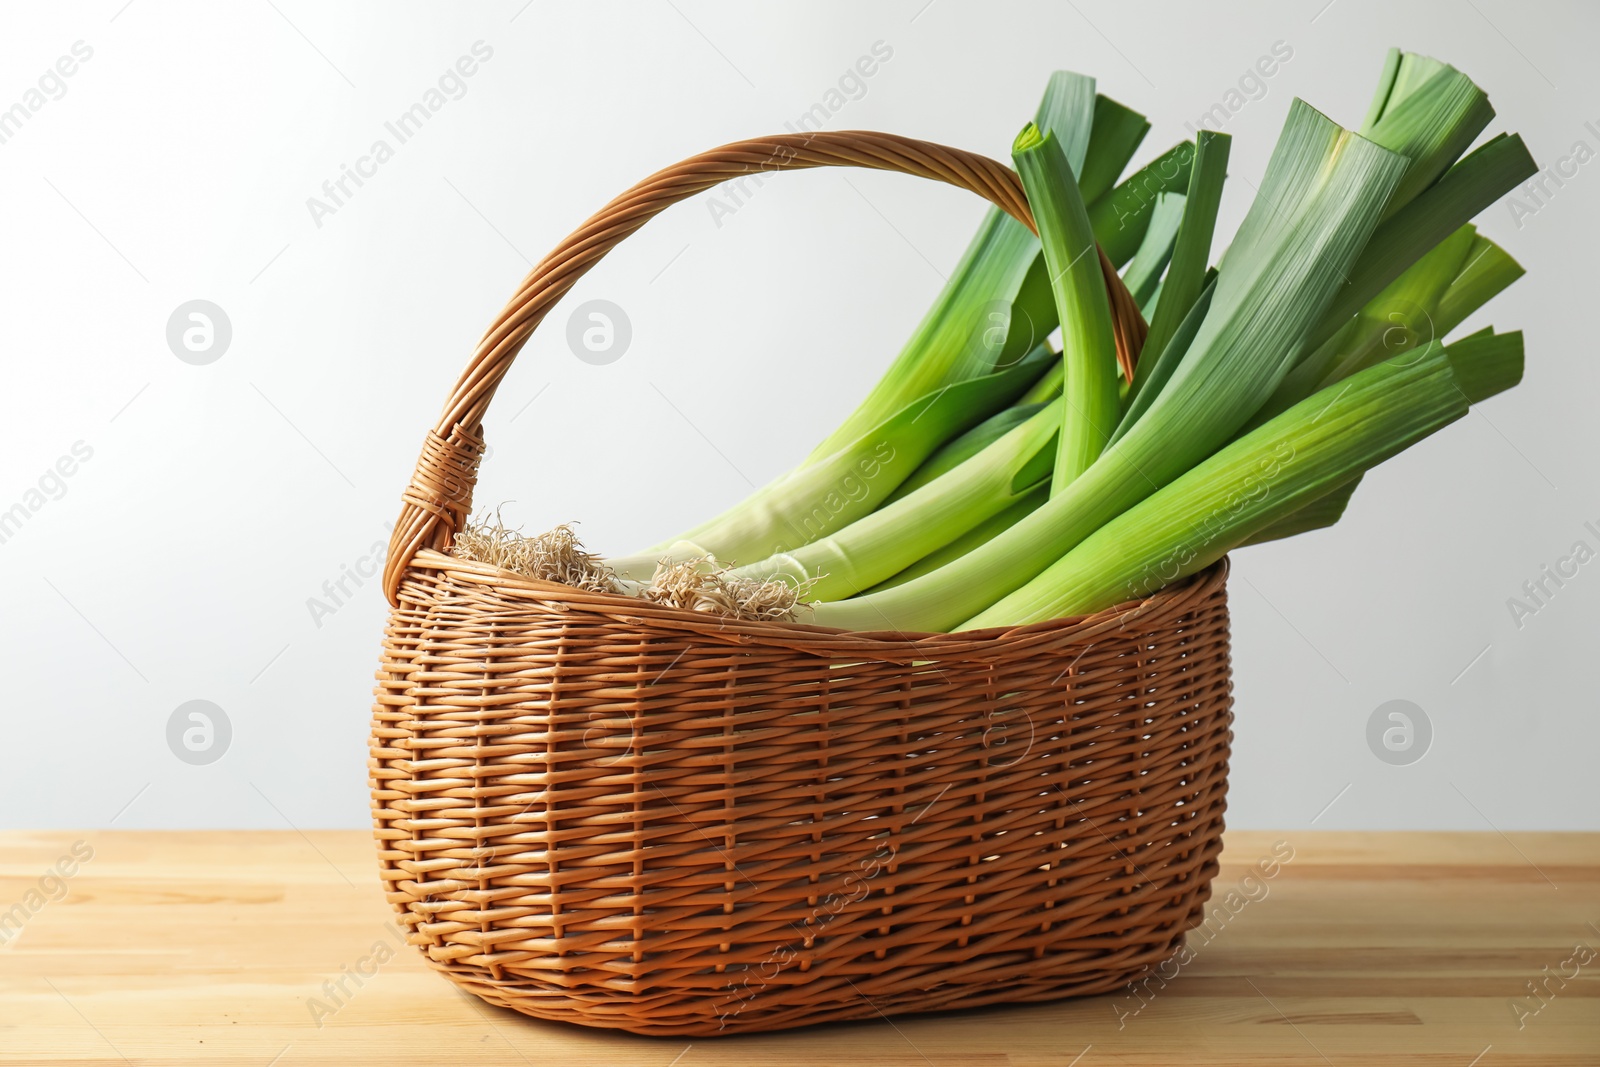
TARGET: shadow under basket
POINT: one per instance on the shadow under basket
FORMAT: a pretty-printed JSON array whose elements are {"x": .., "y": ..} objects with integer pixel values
[{"x": 600, "y": 810}]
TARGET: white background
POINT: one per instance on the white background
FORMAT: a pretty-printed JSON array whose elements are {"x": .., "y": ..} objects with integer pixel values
[{"x": 179, "y": 561}]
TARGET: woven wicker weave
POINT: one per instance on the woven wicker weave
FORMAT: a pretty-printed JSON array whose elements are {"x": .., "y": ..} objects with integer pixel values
[{"x": 600, "y": 810}]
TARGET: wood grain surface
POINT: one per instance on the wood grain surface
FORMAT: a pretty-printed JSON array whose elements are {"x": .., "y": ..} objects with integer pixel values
[{"x": 261, "y": 948}]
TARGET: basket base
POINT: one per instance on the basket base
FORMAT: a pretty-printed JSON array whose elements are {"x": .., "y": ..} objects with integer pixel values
[{"x": 826, "y": 1000}]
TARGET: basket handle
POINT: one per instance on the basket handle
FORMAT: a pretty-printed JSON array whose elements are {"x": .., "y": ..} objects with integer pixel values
[{"x": 439, "y": 498}]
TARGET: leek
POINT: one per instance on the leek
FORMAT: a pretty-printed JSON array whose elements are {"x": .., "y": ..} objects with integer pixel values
[
  {"x": 1487, "y": 363},
  {"x": 960, "y": 449},
  {"x": 1324, "y": 511},
  {"x": 1191, "y": 252},
  {"x": 1114, "y": 137},
  {"x": 958, "y": 338},
  {"x": 1488, "y": 173},
  {"x": 1489, "y": 269},
  {"x": 1088, "y": 347},
  {"x": 1156, "y": 368},
  {"x": 1143, "y": 275},
  {"x": 878, "y": 545},
  {"x": 847, "y": 485},
  {"x": 1258, "y": 480},
  {"x": 980, "y": 534},
  {"x": 1394, "y": 319},
  {"x": 1427, "y": 111},
  {"x": 1048, "y": 387},
  {"x": 1430, "y": 299},
  {"x": 1319, "y": 201},
  {"x": 1121, "y": 217},
  {"x": 1484, "y": 362},
  {"x": 1268, "y": 477}
]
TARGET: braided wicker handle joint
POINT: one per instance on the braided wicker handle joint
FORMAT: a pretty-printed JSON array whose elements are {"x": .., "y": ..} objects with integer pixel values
[{"x": 438, "y": 500}]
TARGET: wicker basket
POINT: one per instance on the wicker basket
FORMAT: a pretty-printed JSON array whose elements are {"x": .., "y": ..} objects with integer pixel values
[{"x": 595, "y": 809}]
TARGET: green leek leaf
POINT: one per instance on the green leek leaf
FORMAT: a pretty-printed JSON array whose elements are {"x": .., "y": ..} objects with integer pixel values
[
  {"x": 1259, "y": 480},
  {"x": 1191, "y": 252},
  {"x": 1321, "y": 513},
  {"x": 878, "y": 545},
  {"x": 1088, "y": 346},
  {"x": 817, "y": 499},
  {"x": 1155, "y": 251}
]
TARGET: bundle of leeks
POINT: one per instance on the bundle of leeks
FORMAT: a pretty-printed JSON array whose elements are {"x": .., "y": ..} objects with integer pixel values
[{"x": 991, "y": 480}]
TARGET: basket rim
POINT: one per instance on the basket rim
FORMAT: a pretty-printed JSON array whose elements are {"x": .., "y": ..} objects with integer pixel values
[{"x": 1169, "y": 600}]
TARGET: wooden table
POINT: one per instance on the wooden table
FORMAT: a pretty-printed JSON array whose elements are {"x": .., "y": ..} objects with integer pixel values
[{"x": 191, "y": 948}]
